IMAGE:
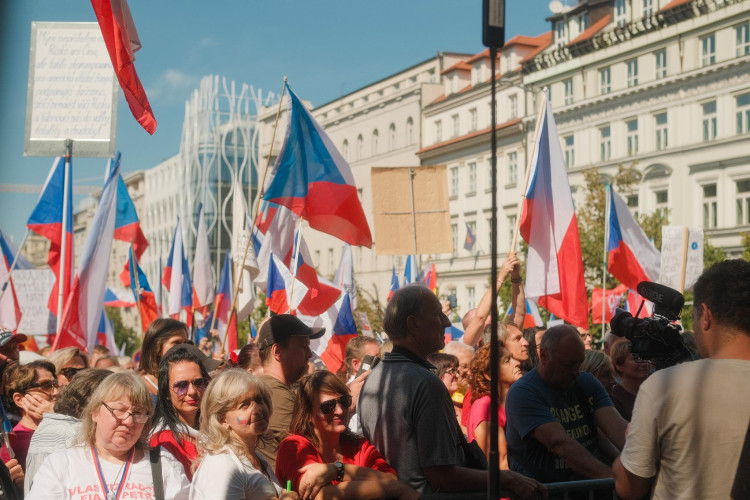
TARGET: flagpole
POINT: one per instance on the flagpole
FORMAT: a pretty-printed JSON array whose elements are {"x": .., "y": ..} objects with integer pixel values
[
  {"x": 134, "y": 270},
  {"x": 542, "y": 109},
  {"x": 15, "y": 262},
  {"x": 64, "y": 240},
  {"x": 604, "y": 256},
  {"x": 295, "y": 258},
  {"x": 412, "y": 174}
]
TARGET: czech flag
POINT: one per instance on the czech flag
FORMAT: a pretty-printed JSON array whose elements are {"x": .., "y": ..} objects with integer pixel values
[
  {"x": 223, "y": 298},
  {"x": 46, "y": 220},
  {"x": 113, "y": 298},
  {"x": 83, "y": 310},
  {"x": 273, "y": 234},
  {"x": 554, "y": 277},
  {"x": 394, "y": 284},
  {"x": 410, "y": 271},
  {"x": 147, "y": 307},
  {"x": 632, "y": 257},
  {"x": 314, "y": 181},
  {"x": 344, "y": 330},
  {"x": 176, "y": 276},
  {"x": 10, "y": 311},
  {"x": 532, "y": 317},
  {"x": 281, "y": 286},
  {"x": 203, "y": 271},
  {"x": 121, "y": 39},
  {"x": 319, "y": 296},
  {"x": 105, "y": 334}
]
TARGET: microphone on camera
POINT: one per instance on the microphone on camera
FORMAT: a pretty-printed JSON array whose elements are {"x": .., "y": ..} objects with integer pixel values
[{"x": 667, "y": 301}]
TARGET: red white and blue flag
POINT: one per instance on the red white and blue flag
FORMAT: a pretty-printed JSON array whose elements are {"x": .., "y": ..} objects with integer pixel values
[
  {"x": 83, "y": 310},
  {"x": 394, "y": 284},
  {"x": 554, "y": 277},
  {"x": 410, "y": 271},
  {"x": 314, "y": 181},
  {"x": 115, "y": 298},
  {"x": 632, "y": 257},
  {"x": 283, "y": 292},
  {"x": 344, "y": 329},
  {"x": 319, "y": 296},
  {"x": 223, "y": 298},
  {"x": 105, "y": 333},
  {"x": 142, "y": 292},
  {"x": 176, "y": 276},
  {"x": 46, "y": 220},
  {"x": 532, "y": 317},
  {"x": 344, "y": 278},
  {"x": 203, "y": 271}
]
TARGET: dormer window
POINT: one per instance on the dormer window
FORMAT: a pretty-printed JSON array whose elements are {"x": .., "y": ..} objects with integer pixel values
[{"x": 560, "y": 33}]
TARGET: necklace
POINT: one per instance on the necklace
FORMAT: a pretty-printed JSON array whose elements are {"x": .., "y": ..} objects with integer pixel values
[{"x": 112, "y": 495}]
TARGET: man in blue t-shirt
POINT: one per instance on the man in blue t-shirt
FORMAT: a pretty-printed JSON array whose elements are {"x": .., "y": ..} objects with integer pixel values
[{"x": 553, "y": 413}]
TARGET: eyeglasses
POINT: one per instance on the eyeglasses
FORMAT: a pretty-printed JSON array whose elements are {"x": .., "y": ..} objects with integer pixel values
[
  {"x": 122, "y": 415},
  {"x": 46, "y": 386},
  {"x": 181, "y": 387},
  {"x": 69, "y": 373},
  {"x": 345, "y": 402},
  {"x": 451, "y": 371}
]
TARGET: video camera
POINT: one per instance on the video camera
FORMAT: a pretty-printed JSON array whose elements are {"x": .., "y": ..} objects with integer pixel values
[{"x": 654, "y": 339}]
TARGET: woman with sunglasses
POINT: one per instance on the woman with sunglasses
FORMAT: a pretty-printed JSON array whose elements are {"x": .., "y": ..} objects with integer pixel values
[
  {"x": 182, "y": 381},
  {"x": 323, "y": 456},
  {"x": 31, "y": 385},
  {"x": 110, "y": 460},
  {"x": 235, "y": 411},
  {"x": 68, "y": 361}
]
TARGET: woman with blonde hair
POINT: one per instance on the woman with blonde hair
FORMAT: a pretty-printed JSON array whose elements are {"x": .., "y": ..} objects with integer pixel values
[
  {"x": 235, "y": 411},
  {"x": 599, "y": 364},
  {"x": 110, "y": 458},
  {"x": 632, "y": 373},
  {"x": 68, "y": 361}
]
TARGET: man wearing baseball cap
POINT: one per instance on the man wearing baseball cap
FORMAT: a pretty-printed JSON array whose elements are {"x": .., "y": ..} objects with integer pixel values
[
  {"x": 284, "y": 347},
  {"x": 9, "y": 347}
]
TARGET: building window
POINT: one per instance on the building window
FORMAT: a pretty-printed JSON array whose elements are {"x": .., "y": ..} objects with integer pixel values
[
  {"x": 568, "y": 91},
  {"x": 511, "y": 220},
  {"x": 454, "y": 182},
  {"x": 454, "y": 120},
  {"x": 345, "y": 151},
  {"x": 375, "y": 140},
  {"x": 632, "y": 67},
  {"x": 708, "y": 49},
  {"x": 648, "y": 7},
  {"x": 473, "y": 120},
  {"x": 471, "y": 301},
  {"x": 438, "y": 131},
  {"x": 743, "y": 202},
  {"x": 621, "y": 12},
  {"x": 660, "y": 57},
  {"x": 472, "y": 178},
  {"x": 632, "y": 137},
  {"x": 709, "y": 121},
  {"x": 662, "y": 137},
  {"x": 742, "y": 103},
  {"x": 454, "y": 238},
  {"x": 662, "y": 199},
  {"x": 570, "y": 153},
  {"x": 709, "y": 206},
  {"x": 410, "y": 131},
  {"x": 605, "y": 135},
  {"x": 583, "y": 22},
  {"x": 742, "y": 37},
  {"x": 392, "y": 137},
  {"x": 560, "y": 33},
  {"x": 360, "y": 147},
  {"x": 605, "y": 81},
  {"x": 513, "y": 105},
  {"x": 512, "y": 168},
  {"x": 632, "y": 202}
]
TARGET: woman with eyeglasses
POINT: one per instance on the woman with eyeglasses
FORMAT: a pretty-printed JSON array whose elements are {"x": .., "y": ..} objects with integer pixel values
[
  {"x": 322, "y": 456},
  {"x": 33, "y": 385},
  {"x": 111, "y": 460},
  {"x": 68, "y": 361},
  {"x": 182, "y": 382},
  {"x": 235, "y": 411}
]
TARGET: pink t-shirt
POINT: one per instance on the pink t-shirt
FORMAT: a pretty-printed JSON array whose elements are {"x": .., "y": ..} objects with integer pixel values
[
  {"x": 480, "y": 412},
  {"x": 20, "y": 444}
]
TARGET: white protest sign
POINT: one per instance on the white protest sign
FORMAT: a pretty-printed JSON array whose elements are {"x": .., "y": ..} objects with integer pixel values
[
  {"x": 681, "y": 248},
  {"x": 72, "y": 91},
  {"x": 33, "y": 287}
]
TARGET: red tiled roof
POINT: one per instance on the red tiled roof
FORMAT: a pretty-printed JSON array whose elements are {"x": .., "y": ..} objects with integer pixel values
[
  {"x": 459, "y": 66},
  {"x": 532, "y": 41},
  {"x": 545, "y": 40},
  {"x": 469, "y": 136},
  {"x": 592, "y": 30},
  {"x": 485, "y": 54},
  {"x": 674, "y": 3}
]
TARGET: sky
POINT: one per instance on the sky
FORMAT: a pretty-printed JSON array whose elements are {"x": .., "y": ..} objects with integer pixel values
[{"x": 327, "y": 48}]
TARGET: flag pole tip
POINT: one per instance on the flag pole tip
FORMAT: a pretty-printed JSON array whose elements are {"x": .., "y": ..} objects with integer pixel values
[{"x": 286, "y": 79}]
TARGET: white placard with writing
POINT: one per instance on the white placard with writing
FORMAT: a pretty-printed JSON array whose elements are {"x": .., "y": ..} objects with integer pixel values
[
  {"x": 33, "y": 287},
  {"x": 673, "y": 249},
  {"x": 72, "y": 91}
]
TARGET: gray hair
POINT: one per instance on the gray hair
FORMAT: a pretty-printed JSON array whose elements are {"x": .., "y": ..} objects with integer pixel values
[
  {"x": 455, "y": 347},
  {"x": 554, "y": 335},
  {"x": 405, "y": 302}
]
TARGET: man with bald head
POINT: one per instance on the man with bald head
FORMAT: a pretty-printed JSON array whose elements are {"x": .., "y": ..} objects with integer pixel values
[{"x": 553, "y": 413}]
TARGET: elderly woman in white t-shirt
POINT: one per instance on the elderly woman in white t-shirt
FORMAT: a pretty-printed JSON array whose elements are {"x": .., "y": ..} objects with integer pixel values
[
  {"x": 111, "y": 458},
  {"x": 235, "y": 411}
]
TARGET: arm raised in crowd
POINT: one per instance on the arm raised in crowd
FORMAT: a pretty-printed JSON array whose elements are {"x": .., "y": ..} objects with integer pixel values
[{"x": 553, "y": 436}]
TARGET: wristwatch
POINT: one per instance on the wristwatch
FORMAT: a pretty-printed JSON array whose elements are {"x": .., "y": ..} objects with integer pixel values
[{"x": 339, "y": 470}]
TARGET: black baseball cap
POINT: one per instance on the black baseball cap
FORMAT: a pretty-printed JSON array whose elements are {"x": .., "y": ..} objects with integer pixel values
[{"x": 282, "y": 326}]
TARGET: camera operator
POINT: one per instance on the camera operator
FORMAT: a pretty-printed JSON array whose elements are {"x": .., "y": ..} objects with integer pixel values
[{"x": 689, "y": 420}]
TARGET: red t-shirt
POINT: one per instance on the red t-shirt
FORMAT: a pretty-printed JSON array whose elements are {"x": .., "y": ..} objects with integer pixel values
[
  {"x": 480, "y": 412},
  {"x": 296, "y": 452},
  {"x": 186, "y": 452}
]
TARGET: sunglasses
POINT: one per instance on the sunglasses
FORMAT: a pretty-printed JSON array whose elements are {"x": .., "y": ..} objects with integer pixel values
[
  {"x": 181, "y": 387},
  {"x": 69, "y": 373},
  {"x": 46, "y": 386},
  {"x": 345, "y": 402},
  {"x": 122, "y": 415}
]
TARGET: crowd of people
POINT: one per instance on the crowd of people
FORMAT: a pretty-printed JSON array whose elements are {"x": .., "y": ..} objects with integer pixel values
[{"x": 406, "y": 419}]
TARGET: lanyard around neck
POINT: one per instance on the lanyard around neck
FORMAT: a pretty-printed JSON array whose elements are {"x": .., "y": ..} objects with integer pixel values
[{"x": 103, "y": 481}]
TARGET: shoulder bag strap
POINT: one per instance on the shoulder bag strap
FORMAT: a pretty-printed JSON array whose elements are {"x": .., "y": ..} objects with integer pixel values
[{"x": 155, "y": 459}]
